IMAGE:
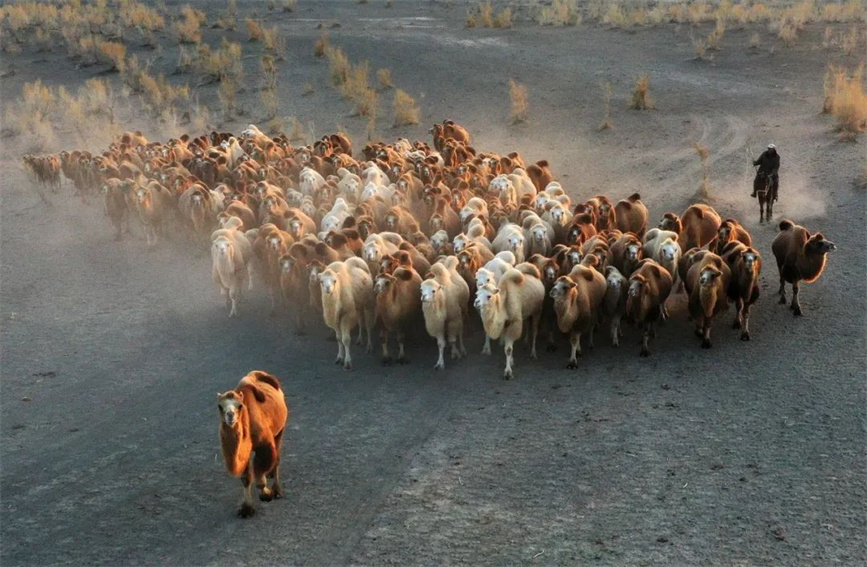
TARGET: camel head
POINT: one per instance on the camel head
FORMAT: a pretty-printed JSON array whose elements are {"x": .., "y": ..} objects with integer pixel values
[{"x": 230, "y": 405}]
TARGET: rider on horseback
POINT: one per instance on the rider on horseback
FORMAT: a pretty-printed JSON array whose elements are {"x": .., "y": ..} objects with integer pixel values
[{"x": 769, "y": 166}]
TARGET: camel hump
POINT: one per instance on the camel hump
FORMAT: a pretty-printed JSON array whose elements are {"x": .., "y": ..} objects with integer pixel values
[
  {"x": 698, "y": 212},
  {"x": 542, "y": 163},
  {"x": 634, "y": 197},
  {"x": 786, "y": 225},
  {"x": 626, "y": 204},
  {"x": 266, "y": 378}
]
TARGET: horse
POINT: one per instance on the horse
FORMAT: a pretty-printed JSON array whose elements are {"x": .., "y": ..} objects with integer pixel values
[{"x": 766, "y": 191}]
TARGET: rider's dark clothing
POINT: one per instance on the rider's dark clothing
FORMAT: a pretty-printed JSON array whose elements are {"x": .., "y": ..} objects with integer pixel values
[{"x": 769, "y": 164}]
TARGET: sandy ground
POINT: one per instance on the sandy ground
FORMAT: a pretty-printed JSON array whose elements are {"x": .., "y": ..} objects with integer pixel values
[{"x": 748, "y": 454}]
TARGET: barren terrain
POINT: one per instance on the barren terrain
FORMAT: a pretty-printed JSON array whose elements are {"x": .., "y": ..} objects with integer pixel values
[{"x": 752, "y": 453}]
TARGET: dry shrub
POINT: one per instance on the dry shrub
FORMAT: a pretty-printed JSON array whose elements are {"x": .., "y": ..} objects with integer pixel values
[
  {"x": 828, "y": 37},
  {"x": 289, "y": 5},
  {"x": 755, "y": 40},
  {"x": 405, "y": 109},
  {"x": 520, "y": 102},
  {"x": 222, "y": 63},
  {"x": 504, "y": 19},
  {"x": 714, "y": 39},
  {"x": 113, "y": 52},
  {"x": 297, "y": 132},
  {"x": 846, "y": 100},
  {"x": 703, "y": 155},
  {"x": 270, "y": 103},
  {"x": 229, "y": 19},
  {"x": 273, "y": 41},
  {"x": 607, "y": 93},
  {"x": 357, "y": 81},
  {"x": 383, "y": 77},
  {"x": 136, "y": 15},
  {"x": 270, "y": 5},
  {"x": 159, "y": 95},
  {"x": 31, "y": 116},
  {"x": 851, "y": 11},
  {"x": 307, "y": 89},
  {"x": 641, "y": 94},
  {"x": 849, "y": 42},
  {"x": 276, "y": 126},
  {"x": 321, "y": 44},
  {"x": 366, "y": 103},
  {"x": 228, "y": 95},
  {"x": 254, "y": 30},
  {"x": 188, "y": 29},
  {"x": 269, "y": 72},
  {"x": 471, "y": 19},
  {"x": 486, "y": 14},
  {"x": 560, "y": 13},
  {"x": 615, "y": 16},
  {"x": 788, "y": 34},
  {"x": 338, "y": 64}
]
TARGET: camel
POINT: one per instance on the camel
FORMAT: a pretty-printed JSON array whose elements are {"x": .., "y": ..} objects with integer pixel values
[{"x": 252, "y": 420}]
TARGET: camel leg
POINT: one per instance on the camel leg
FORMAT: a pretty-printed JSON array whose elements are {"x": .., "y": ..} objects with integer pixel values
[
  {"x": 340, "y": 354},
  {"x": 745, "y": 334},
  {"x": 738, "y": 315},
  {"x": 453, "y": 343},
  {"x": 782, "y": 291},
  {"x": 369, "y": 322},
  {"x": 250, "y": 276},
  {"x": 383, "y": 337},
  {"x": 705, "y": 341},
  {"x": 551, "y": 346},
  {"x": 615, "y": 331},
  {"x": 487, "y": 348},
  {"x": 233, "y": 297},
  {"x": 264, "y": 461},
  {"x": 796, "y": 304},
  {"x": 461, "y": 346},
  {"x": 590, "y": 335},
  {"x": 534, "y": 333},
  {"x": 347, "y": 340},
  {"x": 277, "y": 487},
  {"x": 441, "y": 344},
  {"x": 509, "y": 350},
  {"x": 645, "y": 341},
  {"x": 575, "y": 342},
  {"x": 401, "y": 355},
  {"x": 246, "y": 510}
]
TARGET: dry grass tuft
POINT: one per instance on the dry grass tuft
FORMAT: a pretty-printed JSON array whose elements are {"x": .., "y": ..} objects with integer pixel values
[
  {"x": 289, "y": 5},
  {"x": 254, "y": 30},
  {"x": 520, "y": 103},
  {"x": 641, "y": 94},
  {"x": 339, "y": 65},
  {"x": 700, "y": 48},
  {"x": 383, "y": 77},
  {"x": 321, "y": 45},
  {"x": 405, "y": 109},
  {"x": 308, "y": 89},
  {"x": 788, "y": 34},
  {"x": 273, "y": 41},
  {"x": 846, "y": 100},
  {"x": 560, "y": 13},
  {"x": 189, "y": 28},
  {"x": 270, "y": 103},
  {"x": 714, "y": 39},
  {"x": 607, "y": 93},
  {"x": 229, "y": 19},
  {"x": 483, "y": 15},
  {"x": 503, "y": 19},
  {"x": 755, "y": 40},
  {"x": 703, "y": 155},
  {"x": 269, "y": 72},
  {"x": 114, "y": 52},
  {"x": 228, "y": 95},
  {"x": 486, "y": 14}
]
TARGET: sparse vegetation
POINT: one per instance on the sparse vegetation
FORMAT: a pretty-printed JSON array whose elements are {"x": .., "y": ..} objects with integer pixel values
[
  {"x": 704, "y": 192},
  {"x": 406, "y": 111},
  {"x": 607, "y": 93},
  {"x": 641, "y": 94},
  {"x": 700, "y": 48},
  {"x": 383, "y": 77},
  {"x": 188, "y": 29},
  {"x": 307, "y": 89},
  {"x": 560, "y": 13},
  {"x": 483, "y": 15},
  {"x": 846, "y": 100},
  {"x": 289, "y": 5},
  {"x": 269, "y": 72},
  {"x": 754, "y": 41},
  {"x": 229, "y": 19},
  {"x": 114, "y": 52},
  {"x": 338, "y": 64},
  {"x": 320, "y": 47},
  {"x": 503, "y": 19},
  {"x": 714, "y": 39},
  {"x": 254, "y": 30},
  {"x": 274, "y": 42},
  {"x": 520, "y": 102}
]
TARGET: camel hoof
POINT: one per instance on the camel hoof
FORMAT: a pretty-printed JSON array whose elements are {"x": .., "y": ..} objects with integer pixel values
[
  {"x": 300, "y": 333},
  {"x": 507, "y": 375},
  {"x": 782, "y": 300},
  {"x": 403, "y": 360},
  {"x": 551, "y": 348},
  {"x": 573, "y": 364},
  {"x": 439, "y": 366},
  {"x": 338, "y": 360},
  {"x": 745, "y": 336},
  {"x": 644, "y": 353},
  {"x": 266, "y": 496},
  {"x": 698, "y": 333},
  {"x": 615, "y": 343},
  {"x": 706, "y": 344},
  {"x": 278, "y": 494},
  {"x": 736, "y": 325},
  {"x": 347, "y": 366},
  {"x": 386, "y": 361},
  {"x": 246, "y": 511},
  {"x": 797, "y": 311}
]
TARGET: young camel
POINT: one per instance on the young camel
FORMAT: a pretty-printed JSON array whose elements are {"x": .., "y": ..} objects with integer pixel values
[{"x": 252, "y": 420}]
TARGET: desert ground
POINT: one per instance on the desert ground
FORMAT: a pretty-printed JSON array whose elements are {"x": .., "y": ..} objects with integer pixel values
[{"x": 751, "y": 453}]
